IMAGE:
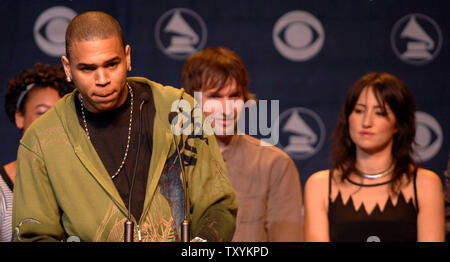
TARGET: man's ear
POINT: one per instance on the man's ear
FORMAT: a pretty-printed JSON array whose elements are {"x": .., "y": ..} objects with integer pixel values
[
  {"x": 128, "y": 56},
  {"x": 66, "y": 64},
  {"x": 20, "y": 119}
]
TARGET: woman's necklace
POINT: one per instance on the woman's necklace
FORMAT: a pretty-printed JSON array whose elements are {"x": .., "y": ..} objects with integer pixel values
[
  {"x": 129, "y": 129},
  {"x": 377, "y": 175}
]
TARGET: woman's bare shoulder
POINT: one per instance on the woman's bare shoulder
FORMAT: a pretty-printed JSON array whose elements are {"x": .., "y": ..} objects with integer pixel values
[
  {"x": 318, "y": 181},
  {"x": 427, "y": 180}
]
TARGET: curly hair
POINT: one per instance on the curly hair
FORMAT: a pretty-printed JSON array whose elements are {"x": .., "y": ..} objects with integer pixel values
[
  {"x": 42, "y": 76},
  {"x": 390, "y": 90}
]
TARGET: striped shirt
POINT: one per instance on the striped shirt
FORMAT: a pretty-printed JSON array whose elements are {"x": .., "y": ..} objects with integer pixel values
[{"x": 6, "y": 200}]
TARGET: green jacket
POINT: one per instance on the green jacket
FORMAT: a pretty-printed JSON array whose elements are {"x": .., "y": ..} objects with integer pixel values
[{"x": 62, "y": 188}]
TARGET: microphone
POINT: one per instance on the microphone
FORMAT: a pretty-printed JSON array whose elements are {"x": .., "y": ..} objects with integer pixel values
[
  {"x": 185, "y": 226},
  {"x": 129, "y": 225}
]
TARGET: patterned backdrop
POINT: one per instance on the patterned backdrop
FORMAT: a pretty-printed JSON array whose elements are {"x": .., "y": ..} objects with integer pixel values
[{"x": 304, "y": 54}]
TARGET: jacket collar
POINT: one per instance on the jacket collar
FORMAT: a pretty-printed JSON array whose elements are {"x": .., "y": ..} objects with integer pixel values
[
  {"x": 86, "y": 153},
  {"x": 84, "y": 149}
]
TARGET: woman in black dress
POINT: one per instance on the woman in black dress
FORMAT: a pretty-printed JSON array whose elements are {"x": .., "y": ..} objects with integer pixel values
[{"x": 375, "y": 191}]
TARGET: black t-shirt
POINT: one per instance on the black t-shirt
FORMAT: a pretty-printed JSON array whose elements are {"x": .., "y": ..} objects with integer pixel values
[{"x": 109, "y": 135}]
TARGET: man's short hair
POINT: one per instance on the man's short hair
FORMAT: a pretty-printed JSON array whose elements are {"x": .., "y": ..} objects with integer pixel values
[
  {"x": 92, "y": 25},
  {"x": 214, "y": 67}
]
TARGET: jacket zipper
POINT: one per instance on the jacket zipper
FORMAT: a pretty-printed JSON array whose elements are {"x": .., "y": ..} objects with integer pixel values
[
  {"x": 146, "y": 208},
  {"x": 138, "y": 228},
  {"x": 139, "y": 233},
  {"x": 117, "y": 204}
]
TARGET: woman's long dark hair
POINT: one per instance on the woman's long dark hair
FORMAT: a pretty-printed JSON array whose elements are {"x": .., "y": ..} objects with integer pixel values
[{"x": 387, "y": 89}]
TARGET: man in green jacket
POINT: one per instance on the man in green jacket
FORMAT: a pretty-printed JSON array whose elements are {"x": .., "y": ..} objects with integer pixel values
[{"x": 106, "y": 155}]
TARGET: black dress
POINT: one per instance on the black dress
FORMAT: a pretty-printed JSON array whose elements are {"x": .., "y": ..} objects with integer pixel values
[{"x": 394, "y": 224}]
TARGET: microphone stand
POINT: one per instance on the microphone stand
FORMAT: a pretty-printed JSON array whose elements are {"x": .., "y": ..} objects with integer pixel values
[
  {"x": 186, "y": 225},
  {"x": 129, "y": 224}
]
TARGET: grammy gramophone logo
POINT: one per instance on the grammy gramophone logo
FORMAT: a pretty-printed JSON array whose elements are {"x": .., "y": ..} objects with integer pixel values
[
  {"x": 302, "y": 132},
  {"x": 416, "y": 39},
  {"x": 180, "y": 32}
]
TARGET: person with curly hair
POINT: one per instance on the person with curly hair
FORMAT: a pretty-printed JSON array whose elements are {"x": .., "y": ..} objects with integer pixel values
[
  {"x": 375, "y": 191},
  {"x": 30, "y": 94}
]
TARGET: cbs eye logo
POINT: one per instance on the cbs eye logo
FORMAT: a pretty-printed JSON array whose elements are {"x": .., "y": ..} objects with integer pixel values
[
  {"x": 429, "y": 137},
  {"x": 50, "y": 30},
  {"x": 298, "y": 36}
]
